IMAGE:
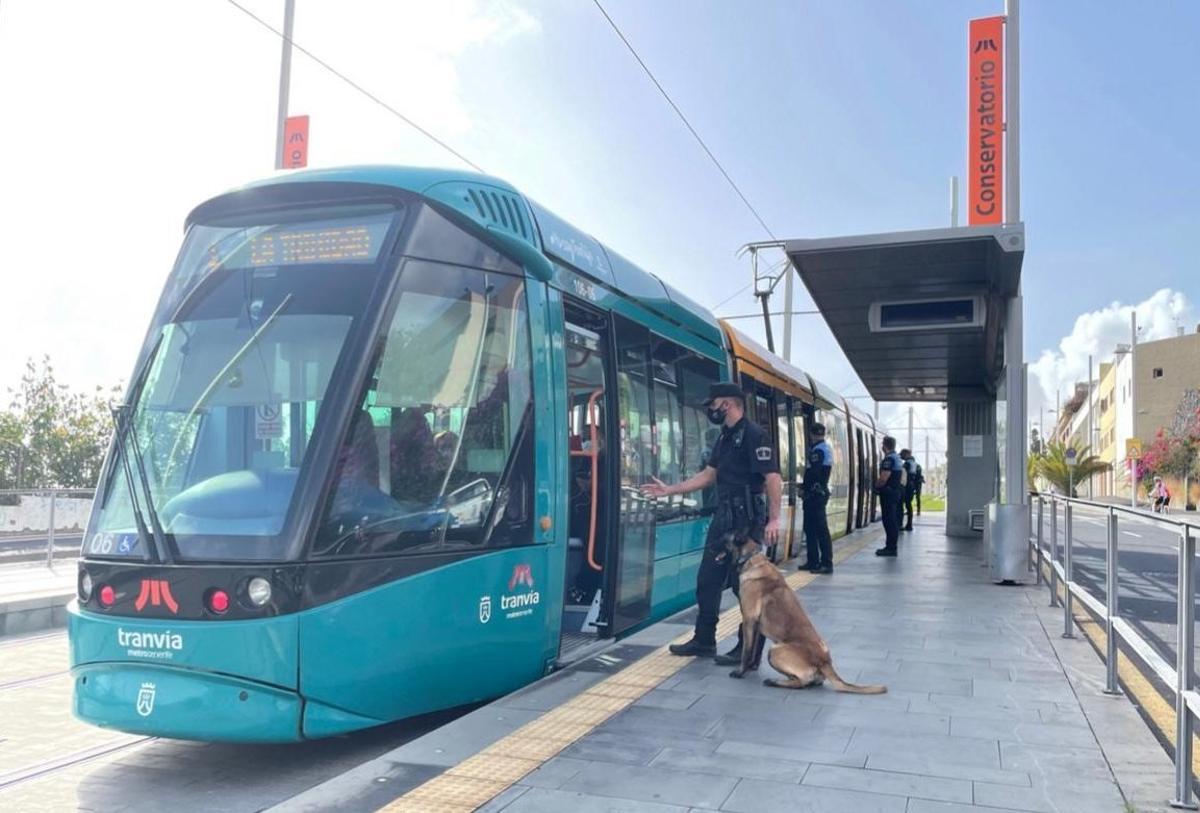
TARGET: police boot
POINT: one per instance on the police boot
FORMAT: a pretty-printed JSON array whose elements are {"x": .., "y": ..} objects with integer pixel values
[
  {"x": 696, "y": 647},
  {"x": 734, "y": 656}
]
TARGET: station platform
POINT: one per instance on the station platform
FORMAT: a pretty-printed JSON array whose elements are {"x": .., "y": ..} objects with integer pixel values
[
  {"x": 988, "y": 709},
  {"x": 34, "y": 597}
]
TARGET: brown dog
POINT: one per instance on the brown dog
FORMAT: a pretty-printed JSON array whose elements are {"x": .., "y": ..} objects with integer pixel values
[{"x": 770, "y": 608}]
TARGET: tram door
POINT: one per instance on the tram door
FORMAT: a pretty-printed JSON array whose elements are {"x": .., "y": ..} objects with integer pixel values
[{"x": 589, "y": 476}]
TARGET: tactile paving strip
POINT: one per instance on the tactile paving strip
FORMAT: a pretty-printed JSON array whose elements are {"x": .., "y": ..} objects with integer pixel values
[{"x": 478, "y": 779}]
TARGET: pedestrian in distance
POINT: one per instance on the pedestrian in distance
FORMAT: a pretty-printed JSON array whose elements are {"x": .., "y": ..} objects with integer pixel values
[
  {"x": 1162, "y": 497},
  {"x": 744, "y": 467},
  {"x": 889, "y": 486},
  {"x": 815, "y": 497},
  {"x": 910, "y": 486}
]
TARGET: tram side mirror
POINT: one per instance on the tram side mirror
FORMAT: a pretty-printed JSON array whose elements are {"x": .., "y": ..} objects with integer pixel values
[{"x": 534, "y": 261}]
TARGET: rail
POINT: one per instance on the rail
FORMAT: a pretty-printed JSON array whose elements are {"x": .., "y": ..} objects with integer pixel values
[
  {"x": 1180, "y": 676},
  {"x": 21, "y": 542}
]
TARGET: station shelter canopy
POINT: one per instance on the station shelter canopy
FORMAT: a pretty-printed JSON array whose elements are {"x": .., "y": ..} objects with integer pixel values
[{"x": 919, "y": 314}]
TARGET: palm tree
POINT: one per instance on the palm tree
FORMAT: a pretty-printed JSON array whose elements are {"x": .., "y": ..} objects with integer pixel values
[{"x": 1052, "y": 465}]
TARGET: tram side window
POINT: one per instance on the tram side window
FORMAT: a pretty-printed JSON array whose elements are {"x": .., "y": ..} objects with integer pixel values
[
  {"x": 695, "y": 374},
  {"x": 635, "y": 420},
  {"x": 439, "y": 457}
]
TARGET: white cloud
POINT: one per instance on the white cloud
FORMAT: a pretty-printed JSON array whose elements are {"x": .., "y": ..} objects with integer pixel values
[{"x": 1097, "y": 333}]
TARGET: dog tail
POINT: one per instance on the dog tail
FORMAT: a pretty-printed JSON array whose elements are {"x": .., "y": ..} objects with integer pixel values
[{"x": 828, "y": 672}]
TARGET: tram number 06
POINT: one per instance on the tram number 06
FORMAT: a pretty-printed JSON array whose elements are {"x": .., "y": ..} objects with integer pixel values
[
  {"x": 585, "y": 290},
  {"x": 101, "y": 543}
]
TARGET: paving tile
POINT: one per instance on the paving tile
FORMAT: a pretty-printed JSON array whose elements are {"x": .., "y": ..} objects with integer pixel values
[
  {"x": 758, "y": 796},
  {"x": 544, "y": 800},
  {"x": 782, "y": 752},
  {"x": 936, "y": 746},
  {"x": 895, "y": 784},
  {"x": 761, "y": 766},
  {"x": 554, "y": 772},
  {"x": 894, "y": 700},
  {"x": 812, "y": 735},
  {"x": 1054, "y": 692},
  {"x": 1050, "y": 764},
  {"x": 929, "y": 766},
  {"x": 637, "y": 719},
  {"x": 900, "y": 721},
  {"x": 668, "y": 699},
  {"x": 930, "y": 806},
  {"x": 1066, "y": 797},
  {"x": 503, "y": 801},
  {"x": 987, "y": 707},
  {"x": 658, "y": 784},
  {"x": 1016, "y": 731},
  {"x": 770, "y": 708}
]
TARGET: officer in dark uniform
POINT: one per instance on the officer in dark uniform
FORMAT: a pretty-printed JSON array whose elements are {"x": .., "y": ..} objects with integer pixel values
[
  {"x": 742, "y": 464},
  {"x": 910, "y": 487},
  {"x": 888, "y": 485},
  {"x": 816, "y": 496}
]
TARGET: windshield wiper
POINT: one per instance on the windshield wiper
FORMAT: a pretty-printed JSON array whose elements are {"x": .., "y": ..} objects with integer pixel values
[
  {"x": 120, "y": 419},
  {"x": 123, "y": 418}
]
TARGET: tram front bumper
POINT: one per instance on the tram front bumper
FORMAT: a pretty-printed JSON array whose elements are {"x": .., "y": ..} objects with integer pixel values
[{"x": 166, "y": 701}]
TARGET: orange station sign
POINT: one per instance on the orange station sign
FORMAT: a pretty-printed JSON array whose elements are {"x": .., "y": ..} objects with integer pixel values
[
  {"x": 295, "y": 142},
  {"x": 985, "y": 130}
]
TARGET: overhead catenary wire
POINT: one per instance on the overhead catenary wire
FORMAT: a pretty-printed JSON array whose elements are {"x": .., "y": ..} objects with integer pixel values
[
  {"x": 356, "y": 86},
  {"x": 684, "y": 119}
]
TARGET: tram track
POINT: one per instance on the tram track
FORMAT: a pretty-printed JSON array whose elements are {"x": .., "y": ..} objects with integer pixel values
[
  {"x": 31, "y": 681},
  {"x": 61, "y": 763}
]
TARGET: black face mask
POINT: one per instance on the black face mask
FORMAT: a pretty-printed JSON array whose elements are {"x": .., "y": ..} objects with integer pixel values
[{"x": 716, "y": 416}]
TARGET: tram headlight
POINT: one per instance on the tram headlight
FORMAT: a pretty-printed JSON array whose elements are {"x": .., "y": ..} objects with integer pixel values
[
  {"x": 258, "y": 591},
  {"x": 85, "y": 586}
]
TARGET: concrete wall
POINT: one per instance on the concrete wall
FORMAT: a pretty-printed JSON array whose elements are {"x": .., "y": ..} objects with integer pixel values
[{"x": 32, "y": 515}]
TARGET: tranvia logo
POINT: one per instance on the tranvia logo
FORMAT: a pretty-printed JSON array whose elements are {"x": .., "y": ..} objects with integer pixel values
[
  {"x": 522, "y": 603},
  {"x": 145, "y": 699},
  {"x": 159, "y": 645},
  {"x": 485, "y": 609},
  {"x": 158, "y": 593}
]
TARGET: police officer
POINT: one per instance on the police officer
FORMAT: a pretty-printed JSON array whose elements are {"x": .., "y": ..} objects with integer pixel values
[
  {"x": 743, "y": 466},
  {"x": 910, "y": 486},
  {"x": 918, "y": 487},
  {"x": 816, "y": 496},
  {"x": 890, "y": 490}
]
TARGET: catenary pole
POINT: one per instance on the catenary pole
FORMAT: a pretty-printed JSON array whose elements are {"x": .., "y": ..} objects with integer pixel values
[{"x": 285, "y": 79}]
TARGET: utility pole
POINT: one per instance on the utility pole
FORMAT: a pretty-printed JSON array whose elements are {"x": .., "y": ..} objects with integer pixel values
[
  {"x": 787, "y": 312},
  {"x": 285, "y": 79},
  {"x": 954, "y": 201},
  {"x": 1133, "y": 404},
  {"x": 1090, "y": 424},
  {"x": 1016, "y": 490},
  {"x": 910, "y": 427}
]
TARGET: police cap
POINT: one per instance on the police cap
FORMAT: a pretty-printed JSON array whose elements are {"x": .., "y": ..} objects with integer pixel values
[
  {"x": 818, "y": 429},
  {"x": 724, "y": 390}
]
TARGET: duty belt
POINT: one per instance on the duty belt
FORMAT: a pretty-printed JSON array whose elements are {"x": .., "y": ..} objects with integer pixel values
[{"x": 741, "y": 508}]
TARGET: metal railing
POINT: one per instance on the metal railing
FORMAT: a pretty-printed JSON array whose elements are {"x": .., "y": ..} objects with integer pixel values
[
  {"x": 13, "y": 496},
  {"x": 1180, "y": 676}
]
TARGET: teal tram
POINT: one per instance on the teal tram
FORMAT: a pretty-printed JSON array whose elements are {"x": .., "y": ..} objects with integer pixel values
[{"x": 380, "y": 456}]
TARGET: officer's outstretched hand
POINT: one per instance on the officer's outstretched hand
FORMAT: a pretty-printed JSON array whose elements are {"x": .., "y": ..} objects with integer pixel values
[
  {"x": 771, "y": 532},
  {"x": 656, "y": 489}
]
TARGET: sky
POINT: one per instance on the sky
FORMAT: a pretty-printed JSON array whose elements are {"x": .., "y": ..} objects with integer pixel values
[{"x": 834, "y": 117}]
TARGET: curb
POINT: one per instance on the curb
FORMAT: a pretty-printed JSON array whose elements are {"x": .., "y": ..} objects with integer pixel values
[{"x": 34, "y": 612}]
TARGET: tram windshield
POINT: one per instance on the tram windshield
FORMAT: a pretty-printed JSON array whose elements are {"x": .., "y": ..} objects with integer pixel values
[
  {"x": 247, "y": 338},
  {"x": 437, "y": 458}
]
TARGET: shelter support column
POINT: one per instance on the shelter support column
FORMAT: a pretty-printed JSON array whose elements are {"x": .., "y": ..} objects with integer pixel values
[{"x": 971, "y": 459}]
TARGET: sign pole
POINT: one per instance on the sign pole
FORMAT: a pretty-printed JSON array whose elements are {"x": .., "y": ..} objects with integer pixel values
[
  {"x": 1012, "y": 112},
  {"x": 285, "y": 78}
]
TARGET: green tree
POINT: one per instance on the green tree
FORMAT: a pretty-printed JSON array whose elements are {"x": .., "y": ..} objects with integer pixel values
[
  {"x": 1052, "y": 466},
  {"x": 51, "y": 437}
]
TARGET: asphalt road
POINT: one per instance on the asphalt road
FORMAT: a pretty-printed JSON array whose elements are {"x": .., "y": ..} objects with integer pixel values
[{"x": 1147, "y": 568}]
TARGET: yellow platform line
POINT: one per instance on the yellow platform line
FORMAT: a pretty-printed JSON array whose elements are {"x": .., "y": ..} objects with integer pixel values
[
  {"x": 480, "y": 778},
  {"x": 1134, "y": 681}
]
